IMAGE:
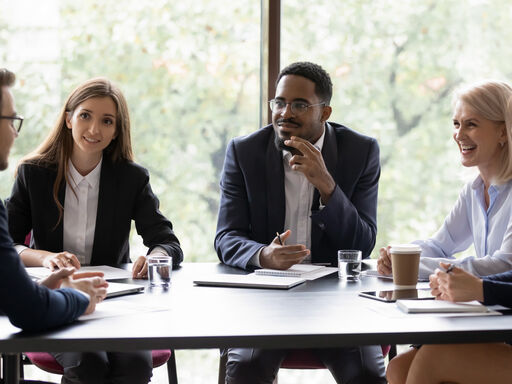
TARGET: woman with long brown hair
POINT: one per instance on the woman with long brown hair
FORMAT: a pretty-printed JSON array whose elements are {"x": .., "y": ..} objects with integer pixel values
[{"x": 78, "y": 193}]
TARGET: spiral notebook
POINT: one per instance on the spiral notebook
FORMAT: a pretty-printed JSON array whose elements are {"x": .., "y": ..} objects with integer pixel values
[
  {"x": 297, "y": 270},
  {"x": 249, "y": 281}
]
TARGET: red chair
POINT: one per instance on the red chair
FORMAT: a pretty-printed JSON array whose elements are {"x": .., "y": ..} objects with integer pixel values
[
  {"x": 47, "y": 362},
  {"x": 299, "y": 359}
]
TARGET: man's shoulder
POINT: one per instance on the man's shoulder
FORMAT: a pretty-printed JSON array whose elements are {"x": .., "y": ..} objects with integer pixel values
[
  {"x": 343, "y": 133},
  {"x": 254, "y": 140}
]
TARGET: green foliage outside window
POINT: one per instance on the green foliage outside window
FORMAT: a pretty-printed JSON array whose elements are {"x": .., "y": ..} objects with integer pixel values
[{"x": 190, "y": 72}]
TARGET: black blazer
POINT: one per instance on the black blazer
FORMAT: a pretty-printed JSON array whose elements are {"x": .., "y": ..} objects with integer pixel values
[
  {"x": 252, "y": 204},
  {"x": 124, "y": 195}
]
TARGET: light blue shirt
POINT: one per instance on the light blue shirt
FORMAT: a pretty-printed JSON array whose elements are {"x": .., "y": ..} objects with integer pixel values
[{"x": 490, "y": 230}]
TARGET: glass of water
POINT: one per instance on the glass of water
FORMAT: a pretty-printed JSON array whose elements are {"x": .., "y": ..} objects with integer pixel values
[
  {"x": 349, "y": 264},
  {"x": 159, "y": 270}
]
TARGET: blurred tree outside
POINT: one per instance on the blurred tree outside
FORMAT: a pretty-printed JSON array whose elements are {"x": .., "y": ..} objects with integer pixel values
[
  {"x": 191, "y": 76},
  {"x": 190, "y": 72},
  {"x": 394, "y": 66}
]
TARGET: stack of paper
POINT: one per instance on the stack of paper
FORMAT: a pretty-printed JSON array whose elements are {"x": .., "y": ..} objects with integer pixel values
[
  {"x": 439, "y": 306},
  {"x": 110, "y": 273}
]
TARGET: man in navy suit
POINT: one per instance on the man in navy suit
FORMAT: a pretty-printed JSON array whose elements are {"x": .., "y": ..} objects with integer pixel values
[
  {"x": 29, "y": 305},
  {"x": 315, "y": 183}
]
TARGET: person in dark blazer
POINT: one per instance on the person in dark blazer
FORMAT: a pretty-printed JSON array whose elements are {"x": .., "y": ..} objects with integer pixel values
[
  {"x": 78, "y": 193},
  {"x": 313, "y": 182},
  {"x": 31, "y": 306}
]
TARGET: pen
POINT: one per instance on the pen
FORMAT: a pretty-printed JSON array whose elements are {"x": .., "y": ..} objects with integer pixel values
[
  {"x": 450, "y": 268},
  {"x": 279, "y": 238}
]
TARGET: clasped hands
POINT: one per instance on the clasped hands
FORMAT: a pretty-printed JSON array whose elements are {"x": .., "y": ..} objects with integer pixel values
[
  {"x": 91, "y": 283},
  {"x": 457, "y": 285}
]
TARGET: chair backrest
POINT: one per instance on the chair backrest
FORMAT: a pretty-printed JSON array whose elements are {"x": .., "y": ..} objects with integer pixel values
[
  {"x": 304, "y": 359},
  {"x": 298, "y": 359},
  {"x": 47, "y": 362}
]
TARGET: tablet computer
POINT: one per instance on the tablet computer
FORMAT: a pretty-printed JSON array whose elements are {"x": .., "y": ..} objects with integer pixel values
[{"x": 390, "y": 296}]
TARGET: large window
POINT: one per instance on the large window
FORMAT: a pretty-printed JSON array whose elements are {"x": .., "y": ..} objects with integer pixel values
[
  {"x": 394, "y": 66},
  {"x": 190, "y": 72}
]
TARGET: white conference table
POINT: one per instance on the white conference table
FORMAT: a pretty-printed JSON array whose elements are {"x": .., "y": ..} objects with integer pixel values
[{"x": 323, "y": 313}]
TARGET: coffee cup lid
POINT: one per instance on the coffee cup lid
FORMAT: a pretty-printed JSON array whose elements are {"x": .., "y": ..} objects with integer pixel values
[{"x": 405, "y": 248}]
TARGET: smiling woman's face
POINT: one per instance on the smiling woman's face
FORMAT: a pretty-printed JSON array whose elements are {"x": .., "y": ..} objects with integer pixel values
[
  {"x": 479, "y": 140},
  {"x": 93, "y": 125}
]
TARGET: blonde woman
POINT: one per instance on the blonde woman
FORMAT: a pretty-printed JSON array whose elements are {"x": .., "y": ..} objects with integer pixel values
[
  {"x": 482, "y": 129},
  {"x": 78, "y": 193}
]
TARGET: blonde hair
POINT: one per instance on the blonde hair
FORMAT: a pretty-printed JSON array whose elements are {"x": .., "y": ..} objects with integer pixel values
[
  {"x": 55, "y": 150},
  {"x": 493, "y": 101}
]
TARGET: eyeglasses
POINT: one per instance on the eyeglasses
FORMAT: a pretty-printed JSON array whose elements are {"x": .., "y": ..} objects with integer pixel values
[
  {"x": 297, "y": 107},
  {"x": 16, "y": 121}
]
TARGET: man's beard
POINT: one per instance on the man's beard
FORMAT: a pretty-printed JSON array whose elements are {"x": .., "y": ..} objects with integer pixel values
[
  {"x": 281, "y": 146},
  {"x": 279, "y": 142}
]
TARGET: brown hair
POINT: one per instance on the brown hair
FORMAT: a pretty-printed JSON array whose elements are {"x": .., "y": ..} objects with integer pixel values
[
  {"x": 55, "y": 150},
  {"x": 7, "y": 78}
]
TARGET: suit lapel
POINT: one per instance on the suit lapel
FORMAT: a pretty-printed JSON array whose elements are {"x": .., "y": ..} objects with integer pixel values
[
  {"x": 330, "y": 155},
  {"x": 105, "y": 213},
  {"x": 275, "y": 189}
]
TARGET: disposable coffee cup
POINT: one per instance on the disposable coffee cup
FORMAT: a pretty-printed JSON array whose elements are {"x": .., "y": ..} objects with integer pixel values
[{"x": 405, "y": 263}]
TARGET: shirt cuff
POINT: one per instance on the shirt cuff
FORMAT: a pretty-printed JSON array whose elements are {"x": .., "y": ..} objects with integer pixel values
[
  {"x": 255, "y": 259},
  {"x": 158, "y": 250},
  {"x": 20, "y": 248}
]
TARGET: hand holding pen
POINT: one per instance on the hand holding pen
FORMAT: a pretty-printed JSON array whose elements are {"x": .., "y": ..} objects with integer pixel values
[
  {"x": 279, "y": 255},
  {"x": 455, "y": 284}
]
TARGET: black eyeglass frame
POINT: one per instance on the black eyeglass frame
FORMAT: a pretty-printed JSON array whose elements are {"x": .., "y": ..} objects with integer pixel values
[{"x": 17, "y": 118}]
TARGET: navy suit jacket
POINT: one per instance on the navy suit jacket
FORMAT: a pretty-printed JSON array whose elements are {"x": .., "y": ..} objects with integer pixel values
[
  {"x": 125, "y": 194},
  {"x": 498, "y": 289},
  {"x": 27, "y": 304},
  {"x": 252, "y": 205}
]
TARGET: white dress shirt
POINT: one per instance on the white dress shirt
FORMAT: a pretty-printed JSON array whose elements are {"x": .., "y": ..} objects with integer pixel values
[
  {"x": 298, "y": 193},
  {"x": 80, "y": 211},
  {"x": 489, "y": 229}
]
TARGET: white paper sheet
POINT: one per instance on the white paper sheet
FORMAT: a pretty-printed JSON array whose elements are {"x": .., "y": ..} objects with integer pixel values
[
  {"x": 110, "y": 272},
  {"x": 121, "y": 307}
]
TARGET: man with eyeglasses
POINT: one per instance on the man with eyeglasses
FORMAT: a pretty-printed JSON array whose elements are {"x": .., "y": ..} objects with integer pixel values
[
  {"x": 29, "y": 305},
  {"x": 314, "y": 183}
]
